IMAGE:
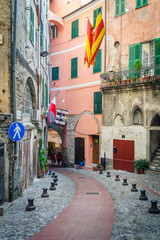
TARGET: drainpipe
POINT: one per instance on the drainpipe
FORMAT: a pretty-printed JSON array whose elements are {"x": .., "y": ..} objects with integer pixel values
[
  {"x": 14, "y": 94},
  {"x": 105, "y": 36}
]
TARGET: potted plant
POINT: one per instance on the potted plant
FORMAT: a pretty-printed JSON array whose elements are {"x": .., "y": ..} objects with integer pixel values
[
  {"x": 97, "y": 168},
  {"x": 42, "y": 158},
  {"x": 141, "y": 165},
  {"x": 43, "y": 115}
]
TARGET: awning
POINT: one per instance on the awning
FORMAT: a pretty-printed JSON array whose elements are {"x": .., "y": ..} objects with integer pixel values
[{"x": 53, "y": 18}]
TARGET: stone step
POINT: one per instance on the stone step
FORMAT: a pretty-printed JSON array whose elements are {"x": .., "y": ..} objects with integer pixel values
[
  {"x": 4, "y": 207},
  {"x": 157, "y": 156},
  {"x": 154, "y": 168}
]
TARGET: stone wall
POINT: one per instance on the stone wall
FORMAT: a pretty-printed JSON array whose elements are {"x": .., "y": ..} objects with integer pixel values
[{"x": 117, "y": 123}]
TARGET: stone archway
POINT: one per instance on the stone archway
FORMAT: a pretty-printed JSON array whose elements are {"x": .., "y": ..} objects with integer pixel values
[{"x": 72, "y": 123}]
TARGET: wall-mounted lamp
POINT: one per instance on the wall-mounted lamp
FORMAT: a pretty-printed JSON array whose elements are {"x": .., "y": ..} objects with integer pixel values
[{"x": 44, "y": 54}]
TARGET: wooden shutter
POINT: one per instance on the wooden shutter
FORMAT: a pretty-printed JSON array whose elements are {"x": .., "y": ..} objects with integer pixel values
[
  {"x": 74, "y": 68},
  {"x": 157, "y": 55},
  {"x": 46, "y": 88},
  {"x": 145, "y": 2},
  {"x": 55, "y": 73},
  {"x": 137, "y": 49},
  {"x": 95, "y": 14},
  {"x": 31, "y": 25},
  {"x": 97, "y": 102},
  {"x": 131, "y": 57},
  {"x": 123, "y": 4},
  {"x": 117, "y": 7},
  {"x": 138, "y": 3},
  {"x": 75, "y": 29},
  {"x": 41, "y": 34},
  {"x": 97, "y": 66}
]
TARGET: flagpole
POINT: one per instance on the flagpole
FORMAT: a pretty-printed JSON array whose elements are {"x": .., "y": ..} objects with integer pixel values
[
  {"x": 57, "y": 93},
  {"x": 105, "y": 38}
]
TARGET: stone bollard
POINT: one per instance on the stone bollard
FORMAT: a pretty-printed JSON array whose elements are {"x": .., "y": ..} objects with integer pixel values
[
  {"x": 108, "y": 174},
  {"x": 45, "y": 194},
  {"x": 55, "y": 182},
  {"x": 52, "y": 186},
  {"x": 53, "y": 175},
  {"x": 50, "y": 172},
  {"x": 124, "y": 182},
  {"x": 30, "y": 206},
  {"x": 117, "y": 178},
  {"x": 134, "y": 189},
  {"x": 101, "y": 171},
  {"x": 154, "y": 209},
  {"x": 143, "y": 195}
]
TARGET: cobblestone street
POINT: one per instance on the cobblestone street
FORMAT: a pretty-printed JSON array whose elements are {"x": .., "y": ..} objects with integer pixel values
[{"x": 132, "y": 220}]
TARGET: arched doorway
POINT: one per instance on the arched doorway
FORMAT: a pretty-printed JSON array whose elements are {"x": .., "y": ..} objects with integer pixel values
[
  {"x": 87, "y": 142},
  {"x": 154, "y": 135},
  {"x": 55, "y": 142}
]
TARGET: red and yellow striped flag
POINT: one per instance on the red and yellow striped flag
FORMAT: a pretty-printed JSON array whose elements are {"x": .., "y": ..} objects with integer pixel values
[
  {"x": 89, "y": 39},
  {"x": 98, "y": 37}
]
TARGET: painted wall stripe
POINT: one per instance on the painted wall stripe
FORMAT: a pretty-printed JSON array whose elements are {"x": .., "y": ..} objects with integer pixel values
[
  {"x": 76, "y": 86},
  {"x": 68, "y": 50}
]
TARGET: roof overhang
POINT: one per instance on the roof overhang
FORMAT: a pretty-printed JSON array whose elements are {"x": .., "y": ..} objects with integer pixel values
[{"x": 53, "y": 18}]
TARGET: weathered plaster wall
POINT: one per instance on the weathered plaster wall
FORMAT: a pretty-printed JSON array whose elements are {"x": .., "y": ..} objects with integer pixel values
[{"x": 118, "y": 109}]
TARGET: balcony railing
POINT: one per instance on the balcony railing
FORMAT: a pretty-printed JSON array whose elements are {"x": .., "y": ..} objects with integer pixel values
[{"x": 131, "y": 77}]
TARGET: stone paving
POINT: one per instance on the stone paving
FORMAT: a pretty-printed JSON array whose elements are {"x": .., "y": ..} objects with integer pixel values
[{"x": 132, "y": 221}]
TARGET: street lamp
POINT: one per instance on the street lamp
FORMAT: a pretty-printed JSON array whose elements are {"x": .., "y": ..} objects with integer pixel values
[{"x": 44, "y": 54}]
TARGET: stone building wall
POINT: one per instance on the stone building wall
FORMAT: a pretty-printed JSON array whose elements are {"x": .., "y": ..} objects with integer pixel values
[{"x": 117, "y": 122}]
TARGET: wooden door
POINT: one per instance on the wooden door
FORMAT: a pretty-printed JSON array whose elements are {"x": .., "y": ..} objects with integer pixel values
[
  {"x": 1, "y": 174},
  {"x": 96, "y": 149},
  {"x": 123, "y": 155},
  {"x": 79, "y": 150}
]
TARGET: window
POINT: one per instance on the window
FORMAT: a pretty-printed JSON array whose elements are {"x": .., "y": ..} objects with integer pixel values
[
  {"x": 41, "y": 38},
  {"x": 138, "y": 117},
  {"x": 55, "y": 73},
  {"x": 97, "y": 65},
  {"x": 75, "y": 29},
  {"x": 157, "y": 55},
  {"x": 31, "y": 25},
  {"x": 27, "y": 106},
  {"x": 54, "y": 31},
  {"x": 120, "y": 6},
  {"x": 141, "y": 3},
  {"x": 134, "y": 55},
  {"x": 97, "y": 102},
  {"x": 42, "y": 91},
  {"x": 74, "y": 66},
  {"x": 46, "y": 88},
  {"x": 148, "y": 58},
  {"x": 95, "y": 14}
]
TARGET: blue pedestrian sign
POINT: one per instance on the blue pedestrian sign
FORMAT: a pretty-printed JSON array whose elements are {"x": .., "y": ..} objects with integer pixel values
[{"x": 16, "y": 131}]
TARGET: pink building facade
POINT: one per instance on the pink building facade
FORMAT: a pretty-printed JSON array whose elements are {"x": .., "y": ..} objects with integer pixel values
[{"x": 77, "y": 85}]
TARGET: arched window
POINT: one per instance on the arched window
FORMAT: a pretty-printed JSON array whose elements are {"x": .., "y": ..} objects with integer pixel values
[
  {"x": 137, "y": 117},
  {"x": 27, "y": 100},
  {"x": 155, "y": 121}
]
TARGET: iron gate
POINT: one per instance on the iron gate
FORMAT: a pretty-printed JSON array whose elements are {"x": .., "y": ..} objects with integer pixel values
[{"x": 1, "y": 174}]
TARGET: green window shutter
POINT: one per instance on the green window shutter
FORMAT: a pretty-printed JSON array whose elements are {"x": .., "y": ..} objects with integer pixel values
[
  {"x": 55, "y": 73},
  {"x": 41, "y": 34},
  {"x": 145, "y": 2},
  {"x": 137, "y": 49},
  {"x": 157, "y": 54},
  {"x": 123, "y": 6},
  {"x": 74, "y": 67},
  {"x": 31, "y": 25},
  {"x": 98, "y": 61},
  {"x": 117, "y": 7},
  {"x": 46, "y": 87},
  {"x": 131, "y": 57},
  {"x": 75, "y": 29},
  {"x": 95, "y": 14},
  {"x": 42, "y": 92},
  {"x": 97, "y": 102},
  {"x": 138, "y": 3},
  {"x": 141, "y": 3}
]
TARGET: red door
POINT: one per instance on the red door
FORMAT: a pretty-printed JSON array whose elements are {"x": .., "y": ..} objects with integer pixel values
[{"x": 123, "y": 155}]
